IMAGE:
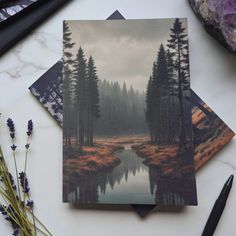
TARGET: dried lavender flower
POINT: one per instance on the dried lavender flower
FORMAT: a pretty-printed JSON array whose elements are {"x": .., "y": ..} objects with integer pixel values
[
  {"x": 8, "y": 212},
  {"x": 11, "y": 127},
  {"x": 30, "y": 128},
  {"x": 2, "y": 210},
  {"x": 13, "y": 147},
  {"x": 24, "y": 182},
  {"x": 30, "y": 204},
  {"x": 12, "y": 181}
]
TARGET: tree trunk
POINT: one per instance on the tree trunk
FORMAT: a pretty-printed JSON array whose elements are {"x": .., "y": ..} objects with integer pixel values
[
  {"x": 81, "y": 129},
  {"x": 182, "y": 137}
]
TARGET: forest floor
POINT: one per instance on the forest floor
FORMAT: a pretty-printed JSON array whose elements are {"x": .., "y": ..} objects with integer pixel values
[
  {"x": 214, "y": 135},
  {"x": 100, "y": 157},
  {"x": 165, "y": 159},
  {"x": 87, "y": 160}
]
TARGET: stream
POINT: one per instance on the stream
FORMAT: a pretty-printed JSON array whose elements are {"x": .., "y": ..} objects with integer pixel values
[{"x": 131, "y": 182}]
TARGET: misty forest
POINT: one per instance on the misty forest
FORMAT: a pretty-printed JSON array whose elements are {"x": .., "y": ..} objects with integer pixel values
[{"x": 111, "y": 130}]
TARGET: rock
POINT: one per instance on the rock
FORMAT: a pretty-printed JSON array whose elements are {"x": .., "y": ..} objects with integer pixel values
[{"x": 219, "y": 19}]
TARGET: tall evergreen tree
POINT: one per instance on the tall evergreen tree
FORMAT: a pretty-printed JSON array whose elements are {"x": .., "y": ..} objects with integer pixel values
[
  {"x": 67, "y": 89},
  {"x": 161, "y": 114},
  {"x": 178, "y": 45},
  {"x": 67, "y": 44},
  {"x": 92, "y": 93},
  {"x": 174, "y": 104},
  {"x": 149, "y": 108},
  {"x": 80, "y": 74}
]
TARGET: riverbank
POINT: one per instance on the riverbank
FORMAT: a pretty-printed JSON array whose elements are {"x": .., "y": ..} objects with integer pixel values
[
  {"x": 164, "y": 159},
  {"x": 87, "y": 160}
]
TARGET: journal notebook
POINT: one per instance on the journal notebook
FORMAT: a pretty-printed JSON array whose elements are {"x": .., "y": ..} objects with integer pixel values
[
  {"x": 18, "y": 26},
  {"x": 218, "y": 136},
  {"x": 10, "y": 8},
  {"x": 127, "y": 129}
]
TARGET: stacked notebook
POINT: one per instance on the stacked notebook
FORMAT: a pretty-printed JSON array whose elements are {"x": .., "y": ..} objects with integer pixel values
[
  {"x": 133, "y": 130},
  {"x": 19, "y": 17}
]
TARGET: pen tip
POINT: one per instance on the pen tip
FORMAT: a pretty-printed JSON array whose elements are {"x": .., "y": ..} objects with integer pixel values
[{"x": 230, "y": 180}]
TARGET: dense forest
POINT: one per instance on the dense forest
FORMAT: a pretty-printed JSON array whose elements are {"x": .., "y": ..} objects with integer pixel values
[
  {"x": 80, "y": 97},
  {"x": 122, "y": 110},
  {"x": 100, "y": 107},
  {"x": 168, "y": 98},
  {"x": 96, "y": 107}
]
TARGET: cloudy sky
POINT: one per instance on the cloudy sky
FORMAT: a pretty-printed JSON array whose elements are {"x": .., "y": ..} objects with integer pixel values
[{"x": 124, "y": 50}]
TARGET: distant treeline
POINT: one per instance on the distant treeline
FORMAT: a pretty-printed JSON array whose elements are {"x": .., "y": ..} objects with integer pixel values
[{"x": 122, "y": 110}]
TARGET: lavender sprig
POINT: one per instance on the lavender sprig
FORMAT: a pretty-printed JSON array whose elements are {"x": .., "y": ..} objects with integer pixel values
[
  {"x": 19, "y": 213},
  {"x": 11, "y": 126},
  {"x": 25, "y": 180},
  {"x": 27, "y": 146}
]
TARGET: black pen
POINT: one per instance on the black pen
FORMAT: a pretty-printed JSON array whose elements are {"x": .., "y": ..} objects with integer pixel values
[{"x": 218, "y": 208}]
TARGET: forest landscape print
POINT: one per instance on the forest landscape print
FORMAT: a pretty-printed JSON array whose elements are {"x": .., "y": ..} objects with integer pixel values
[{"x": 127, "y": 127}]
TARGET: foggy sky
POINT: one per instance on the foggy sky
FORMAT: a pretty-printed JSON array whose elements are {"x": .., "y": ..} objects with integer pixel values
[{"x": 124, "y": 50}]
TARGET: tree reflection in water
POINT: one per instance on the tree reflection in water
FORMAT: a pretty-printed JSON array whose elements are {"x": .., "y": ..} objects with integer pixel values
[{"x": 91, "y": 188}]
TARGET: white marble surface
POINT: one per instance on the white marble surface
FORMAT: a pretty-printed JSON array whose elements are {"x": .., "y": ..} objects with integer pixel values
[{"x": 213, "y": 72}]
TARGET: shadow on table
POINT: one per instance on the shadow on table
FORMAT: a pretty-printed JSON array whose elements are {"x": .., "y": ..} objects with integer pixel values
[{"x": 142, "y": 210}]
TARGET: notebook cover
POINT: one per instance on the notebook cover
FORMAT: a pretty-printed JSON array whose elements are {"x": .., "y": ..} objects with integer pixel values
[
  {"x": 19, "y": 27},
  {"x": 11, "y": 9}
]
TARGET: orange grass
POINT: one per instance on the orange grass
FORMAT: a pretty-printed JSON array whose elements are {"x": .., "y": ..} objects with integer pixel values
[
  {"x": 91, "y": 159},
  {"x": 220, "y": 135},
  {"x": 165, "y": 159}
]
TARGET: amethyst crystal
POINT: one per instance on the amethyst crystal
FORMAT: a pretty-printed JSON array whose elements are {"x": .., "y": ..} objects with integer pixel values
[{"x": 219, "y": 19}]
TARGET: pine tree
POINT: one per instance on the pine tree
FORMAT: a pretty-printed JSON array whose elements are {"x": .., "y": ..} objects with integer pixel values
[
  {"x": 67, "y": 89},
  {"x": 162, "y": 96},
  {"x": 92, "y": 94},
  {"x": 178, "y": 46},
  {"x": 159, "y": 110},
  {"x": 80, "y": 70},
  {"x": 67, "y": 44},
  {"x": 149, "y": 108}
]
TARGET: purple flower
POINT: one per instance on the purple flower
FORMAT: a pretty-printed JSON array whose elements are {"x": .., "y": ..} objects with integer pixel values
[
  {"x": 13, "y": 147},
  {"x": 16, "y": 232},
  {"x": 12, "y": 181},
  {"x": 11, "y": 127},
  {"x": 7, "y": 212},
  {"x": 30, "y": 128},
  {"x": 30, "y": 204},
  {"x": 2, "y": 210},
  {"x": 24, "y": 182}
]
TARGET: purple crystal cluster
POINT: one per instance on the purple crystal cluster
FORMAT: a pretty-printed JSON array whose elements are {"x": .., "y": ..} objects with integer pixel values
[{"x": 219, "y": 19}]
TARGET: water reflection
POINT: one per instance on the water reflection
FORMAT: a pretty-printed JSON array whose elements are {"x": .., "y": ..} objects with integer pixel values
[
  {"x": 171, "y": 191},
  {"x": 131, "y": 182}
]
